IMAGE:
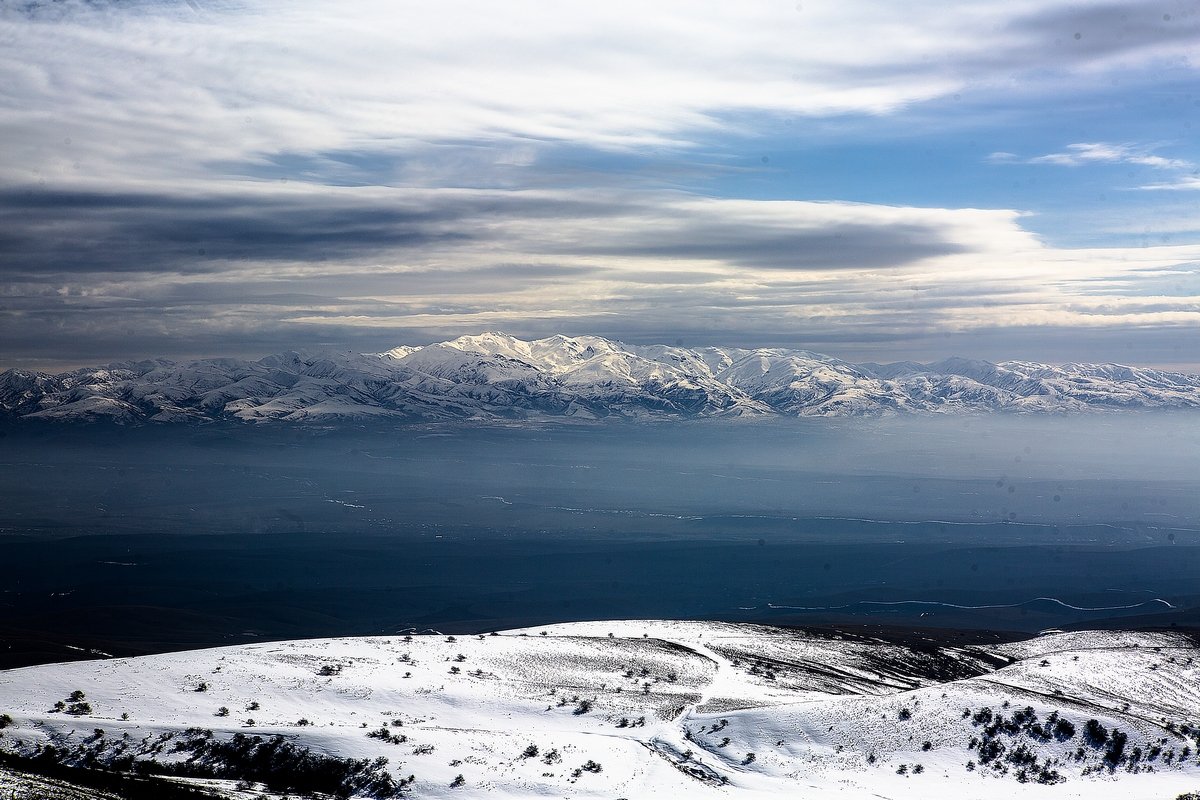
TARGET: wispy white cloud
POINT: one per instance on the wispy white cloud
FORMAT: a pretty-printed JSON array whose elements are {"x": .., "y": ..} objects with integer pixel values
[
  {"x": 1076, "y": 155},
  {"x": 152, "y": 91},
  {"x": 1184, "y": 183},
  {"x": 1002, "y": 157},
  {"x": 1087, "y": 153}
]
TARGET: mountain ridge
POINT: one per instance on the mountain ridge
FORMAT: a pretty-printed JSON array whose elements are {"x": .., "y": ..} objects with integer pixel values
[{"x": 496, "y": 376}]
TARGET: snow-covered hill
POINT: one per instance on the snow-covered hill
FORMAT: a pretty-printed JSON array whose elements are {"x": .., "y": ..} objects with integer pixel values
[
  {"x": 638, "y": 709},
  {"x": 495, "y": 376}
]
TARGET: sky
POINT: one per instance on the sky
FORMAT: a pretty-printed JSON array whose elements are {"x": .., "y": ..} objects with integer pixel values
[{"x": 998, "y": 179}]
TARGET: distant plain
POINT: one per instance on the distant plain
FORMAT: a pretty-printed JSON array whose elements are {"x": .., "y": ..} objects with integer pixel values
[{"x": 132, "y": 540}]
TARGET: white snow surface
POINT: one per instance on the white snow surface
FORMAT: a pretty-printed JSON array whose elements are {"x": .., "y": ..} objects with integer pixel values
[
  {"x": 666, "y": 709},
  {"x": 497, "y": 376}
]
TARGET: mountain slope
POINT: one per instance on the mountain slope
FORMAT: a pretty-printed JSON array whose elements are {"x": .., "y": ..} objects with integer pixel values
[
  {"x": 637, "y": 709},
  {"x": 495, "y": 376}
]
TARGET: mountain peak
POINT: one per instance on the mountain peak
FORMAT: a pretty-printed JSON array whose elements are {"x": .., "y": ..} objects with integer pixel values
[{"x": 488, "y": 341}]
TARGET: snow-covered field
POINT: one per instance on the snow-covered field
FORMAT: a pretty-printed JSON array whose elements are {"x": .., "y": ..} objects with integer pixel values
[{"x": 651, "y": 709}]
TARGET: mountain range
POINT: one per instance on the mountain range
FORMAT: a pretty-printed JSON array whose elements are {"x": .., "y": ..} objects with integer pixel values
[{"x": 496, "y": 376}]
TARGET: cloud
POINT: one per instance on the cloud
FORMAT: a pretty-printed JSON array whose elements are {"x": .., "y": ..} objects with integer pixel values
[
  {"x": 110, "y": 91},
  {"x": 58, "y": 233},
  {"x": 844, "y": 246},
  {"x": 118, "y": 274},
  {"x": 1185, "y": 183},
  {"x": 1106, "y": 33},
  {"x": 241, "y": 177},
  {"x": 1101, "y": 153},
  {"x": 1087, "y": 153},
  {"x": 207, "y": 229},
  {"x": 1083, "y": 154}
]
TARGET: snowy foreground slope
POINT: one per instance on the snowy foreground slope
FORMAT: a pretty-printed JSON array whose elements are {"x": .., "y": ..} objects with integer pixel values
[
  {"x": 493, "y": 375},
  {"x": 641, "y": 709}
]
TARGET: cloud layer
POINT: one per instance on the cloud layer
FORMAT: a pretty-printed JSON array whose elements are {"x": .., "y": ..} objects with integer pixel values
[
  {"x": 124, "y": 91},
  {"x": 234, "y": 177},
  {"x": 224, "y": 273}
]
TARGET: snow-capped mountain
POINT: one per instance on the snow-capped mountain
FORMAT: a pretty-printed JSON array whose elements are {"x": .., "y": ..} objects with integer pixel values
[
  {"x": 494, "y": 375},
  {"x": 632, "y": 709}
]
